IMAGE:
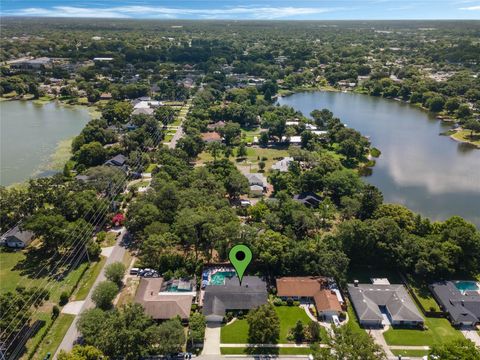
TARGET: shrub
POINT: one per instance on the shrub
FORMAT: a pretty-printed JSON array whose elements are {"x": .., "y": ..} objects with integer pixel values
[
  {"x": 63, "y": 298},
  {"x": 296, "y": 303},
  {"x": 277, "y": 302},
  {"x": 55, "y": 311},
  {"x": 289, "y": 301}
]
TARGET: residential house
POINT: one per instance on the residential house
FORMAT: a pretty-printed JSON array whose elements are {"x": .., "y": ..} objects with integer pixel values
[
  {"x": 257, "y": 183},
  {"x": 119, "y": 161},
  {"x": 231, "y": 296},
  {"x": 282, "y": 165},
  {"x": 216, "y": 126},
  {"x": 212, "y": 136},
  {"x": 162, "y": 304},
  {"x": 105, "y": 96},
  {"x": 308, "y": 198},
  {"x": 16, "y": 238},
  {"x": 32, "y": 64},
  {"x": 462, "y": 306},
  {"x": 321, "y": 291},
  {"x": 382, "y": 303}
]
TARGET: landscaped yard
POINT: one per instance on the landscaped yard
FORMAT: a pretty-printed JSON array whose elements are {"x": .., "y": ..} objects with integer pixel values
[
  {"x": 410, "y": 353},
  {"x": 237, "y": 332},
  {"x": 424, "y": 296},
  {"x": 54, "y": 337},
  {"x": 259, "y": 351},
  {"x": 439, "y": 331}
]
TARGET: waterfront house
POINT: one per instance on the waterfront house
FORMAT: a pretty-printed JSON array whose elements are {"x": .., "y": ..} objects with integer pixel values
[{"x": 460, "y": 300}]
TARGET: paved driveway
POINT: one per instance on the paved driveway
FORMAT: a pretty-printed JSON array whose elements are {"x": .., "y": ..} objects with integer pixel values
[{"x": 212, "y": 339}]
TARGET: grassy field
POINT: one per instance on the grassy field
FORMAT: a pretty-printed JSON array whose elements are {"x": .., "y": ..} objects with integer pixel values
[
  {"x": 254, "y": 155},
  {"x": 439, "y": 331},
  {"x": 11, "y": 276},
  {"x": 237, "y": 332},
  {"x": 54, "y": 337},
  {"x": 410, "y": 353},
  {"x": 353, "y": 323},
  {"x": 261, "y": 351},
  {"x": 464, "y": 135},
  {"x": 88, "y": 279}
]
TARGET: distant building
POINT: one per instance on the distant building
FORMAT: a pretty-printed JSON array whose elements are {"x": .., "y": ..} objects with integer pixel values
[
  {"x": 32, "y": 64},
  {"x": 105, "y": 96},
  {"x": 212, "y": 136},
  {"x": 119, "y": 161},
  {"x": 103, "y": 59},
  {"x": 162, "y": 304},
  {"x": 282, "y": 165},
  {"x": 308, "y": 198},
  {"x": 322, "y": 292},
  {"x": 218, "y": 299},
  {"x": 16, "y": 238},
  {"x": 462, "y": 306},
  {"x": 257, "y": 183},
  {"x": 377, "y": 304}
]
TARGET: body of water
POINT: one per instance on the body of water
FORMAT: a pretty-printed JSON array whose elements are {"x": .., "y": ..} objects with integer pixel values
[
  {"x": 29, "y": 135},
  {"x": 431, "y": 174}
]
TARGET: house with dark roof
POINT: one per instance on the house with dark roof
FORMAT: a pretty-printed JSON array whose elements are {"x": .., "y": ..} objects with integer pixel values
[
  {"x": 231, "y": 296},
  {"x": 462, "y": 306},
  {"x": 119, "y": 161},
  {"x": 321, "y": 291},
  {"x": 309, "y": 199},
  {"x": 16, "y": 238},
  {"x": 162, "y": 304},
  {"x": 378, "y": 304}
]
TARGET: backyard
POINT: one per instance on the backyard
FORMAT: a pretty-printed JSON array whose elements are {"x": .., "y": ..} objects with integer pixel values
[{"x": 237, "y": 332}]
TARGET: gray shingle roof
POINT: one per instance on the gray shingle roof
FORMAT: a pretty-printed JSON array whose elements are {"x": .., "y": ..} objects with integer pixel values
[
  {"x": 461, "y": 307},
  {"x": 367, "y": 298},
  {"x": 16, "y": 234},
  {"x": 231, "y": 296}
]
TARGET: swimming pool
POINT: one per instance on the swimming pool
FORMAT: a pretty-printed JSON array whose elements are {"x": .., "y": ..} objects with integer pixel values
[
  {"x": 219, "y": 277},
  {"x": 467, "y": 285}
]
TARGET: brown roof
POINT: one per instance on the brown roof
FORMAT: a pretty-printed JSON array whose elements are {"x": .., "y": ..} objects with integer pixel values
[
  {"x": 164, "y": 305},
  {"x": 211, "y": 136},
  {"x": 306, "y": 286},
  {"x": 325, "y": 300},
  {"x": 309, "y": 286}
]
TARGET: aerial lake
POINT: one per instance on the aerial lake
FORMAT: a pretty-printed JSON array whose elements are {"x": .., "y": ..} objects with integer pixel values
[
  {"x": 431, "y": 174},
  {"x": 30, "y": 134}
]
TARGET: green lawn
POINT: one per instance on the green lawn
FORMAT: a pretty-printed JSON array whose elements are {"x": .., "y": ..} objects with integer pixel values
[
  {"x": 150, "y": 168},
  {"x": 88, "y": 279},
  {"x": 410, "y": 353},
  {"x": 54, "y": 337},
  {"x": 439, "y": 331},
  {"x": 352, "y": 320},
  {"x": 237, "y": 332},
  {"x": 261, "y": 351},
  {"x": 424, "y": 295},
  {"x": 254, "y": 155},
  {"x": 11, "y": 277}
]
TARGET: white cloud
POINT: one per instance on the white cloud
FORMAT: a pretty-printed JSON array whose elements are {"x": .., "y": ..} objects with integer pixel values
[
  {"x": 250, "y": 12},
  {"x": 471, "y": 8}
]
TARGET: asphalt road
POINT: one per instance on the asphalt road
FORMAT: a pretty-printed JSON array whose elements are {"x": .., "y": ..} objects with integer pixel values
[{"x": 72, "y": 334}]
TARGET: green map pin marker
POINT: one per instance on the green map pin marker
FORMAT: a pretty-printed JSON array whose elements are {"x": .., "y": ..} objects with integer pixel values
[{"x": 240, "y": 256}]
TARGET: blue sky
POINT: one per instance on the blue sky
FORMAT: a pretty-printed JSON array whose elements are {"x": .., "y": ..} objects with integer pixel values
[{"x": 246, "y": 9}]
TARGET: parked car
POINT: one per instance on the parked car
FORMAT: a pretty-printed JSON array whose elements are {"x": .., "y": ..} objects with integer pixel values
[{"x": 134, "y": 271}]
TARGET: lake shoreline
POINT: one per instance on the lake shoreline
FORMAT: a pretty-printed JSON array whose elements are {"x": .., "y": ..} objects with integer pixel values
[{"x": 288, "y": 93}]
